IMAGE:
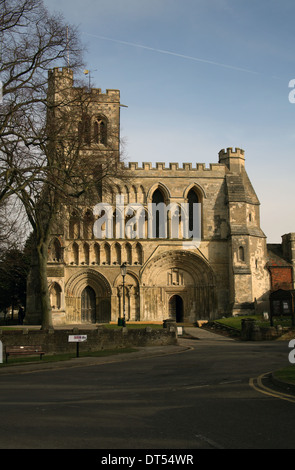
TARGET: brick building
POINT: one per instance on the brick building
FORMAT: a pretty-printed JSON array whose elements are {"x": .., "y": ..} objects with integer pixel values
[{"x": 281, "y": 263}]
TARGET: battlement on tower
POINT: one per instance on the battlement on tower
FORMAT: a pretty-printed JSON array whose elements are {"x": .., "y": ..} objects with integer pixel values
[
  {"x": 229, "y": 152},
  {"x": 180, "y": 169},
  {"x": 61, "y": 72},
  {"x": 64, "y": 78},
  {"x": 97, "y": 91},
  {"x": 233, "y": 159}
]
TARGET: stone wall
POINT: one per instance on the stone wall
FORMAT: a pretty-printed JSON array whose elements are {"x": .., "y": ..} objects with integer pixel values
[
  {"x": 251, "y": 331},
  {"x": 56, "y": 341}
]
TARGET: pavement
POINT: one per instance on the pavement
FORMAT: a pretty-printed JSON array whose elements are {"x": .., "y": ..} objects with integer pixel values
[
  {"x": 39, "y": 366},
  {"x": 202, "y": 334},
  {"x": 149, "y": 351},
  {"x": 185, "y": 343}
]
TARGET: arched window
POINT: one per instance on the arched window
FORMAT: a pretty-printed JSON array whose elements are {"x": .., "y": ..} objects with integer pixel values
[
  {"x": 56, "y": 252},
  {"x": 159, "y": 225},
  {"x": 128, "y": 253},
  {"x": 74, "y": 226},
  {"x": 107, "y": 254},
  {"x": 100, "y": 131},
  {"x": 192, "y": 199},
  {"x": 97, "y": 253},
  {"x": 138, "y": 254},
  {"x": 117, "y": 254},
  {"x": 141, "y": 196},
  {"x": 86, "y": 253},
  {"x": 96, "y": 132},
  {"x": 88, "y": 222},
  {"x": 76, "y": 253},
  {"x": 84, "y": 129},
  {"x": 241, "y": 254}
]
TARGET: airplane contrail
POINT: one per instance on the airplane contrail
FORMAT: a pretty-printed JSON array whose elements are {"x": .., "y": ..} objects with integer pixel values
[{"x": 176, "y": 54}]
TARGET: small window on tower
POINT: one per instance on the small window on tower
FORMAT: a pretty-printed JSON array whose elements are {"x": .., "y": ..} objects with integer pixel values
[{"x": 241, "y": 254}]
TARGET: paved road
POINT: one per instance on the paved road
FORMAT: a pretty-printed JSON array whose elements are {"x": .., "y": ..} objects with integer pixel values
[{"x": 199, "y": 396}]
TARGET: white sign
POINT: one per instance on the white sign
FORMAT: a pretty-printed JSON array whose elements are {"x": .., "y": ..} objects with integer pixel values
[{"x": 77, "y": 338}]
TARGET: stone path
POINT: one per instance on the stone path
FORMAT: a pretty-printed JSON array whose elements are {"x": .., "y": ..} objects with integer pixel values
[{"x": 202, "y": 334}]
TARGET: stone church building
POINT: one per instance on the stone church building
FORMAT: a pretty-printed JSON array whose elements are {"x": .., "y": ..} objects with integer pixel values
[{"x": 229, "y": 271}]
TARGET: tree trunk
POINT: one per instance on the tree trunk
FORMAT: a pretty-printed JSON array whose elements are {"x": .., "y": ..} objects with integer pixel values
[{"x": 46, "y": 313}]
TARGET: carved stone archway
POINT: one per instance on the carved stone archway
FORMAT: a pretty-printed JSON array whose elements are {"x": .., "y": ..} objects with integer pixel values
[
  {"x": 88, "y": 291},
  {"x": 179, "y": 273}
]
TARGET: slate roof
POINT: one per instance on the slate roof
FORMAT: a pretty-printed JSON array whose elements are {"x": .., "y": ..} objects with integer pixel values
[{"x": 275, "y": 256}]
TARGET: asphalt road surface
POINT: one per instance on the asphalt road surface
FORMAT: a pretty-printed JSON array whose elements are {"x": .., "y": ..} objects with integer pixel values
[{"x": 201, "y": 398}]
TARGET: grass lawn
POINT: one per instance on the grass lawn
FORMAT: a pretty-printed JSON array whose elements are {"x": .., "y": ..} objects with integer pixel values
[
  {"x": 135, "y": 325},
  {"x": 287, "y": 374},
  {"x": 65, "y": 357}
]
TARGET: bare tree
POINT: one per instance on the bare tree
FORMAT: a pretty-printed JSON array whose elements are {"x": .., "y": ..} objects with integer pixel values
[
  {"x": 42, "y": 155},
  {"x": 31, "y": 42}
]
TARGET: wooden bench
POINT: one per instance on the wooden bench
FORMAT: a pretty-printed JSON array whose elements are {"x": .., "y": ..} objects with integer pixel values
[{"x": 24, "y": 351}]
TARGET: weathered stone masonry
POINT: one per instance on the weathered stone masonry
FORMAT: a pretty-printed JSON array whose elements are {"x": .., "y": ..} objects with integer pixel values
[{"x": 228, "y": 273}]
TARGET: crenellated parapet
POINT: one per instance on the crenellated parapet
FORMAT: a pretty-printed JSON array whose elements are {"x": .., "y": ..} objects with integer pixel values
[
  {"x": 233, "y": 159},
  {"x": 109, "y": 96},
  {"x": 229, "y": 152},
  {"x": 182, "y": 169},
  {"x": 60, "y": 73},
  {"x": 63, "y": 77}
]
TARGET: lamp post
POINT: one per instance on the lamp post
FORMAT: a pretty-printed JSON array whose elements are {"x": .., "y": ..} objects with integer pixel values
[{"x": 123, "y": 273}]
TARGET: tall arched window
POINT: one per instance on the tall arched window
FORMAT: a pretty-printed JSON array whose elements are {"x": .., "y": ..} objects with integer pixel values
[
  {"x": 97, "y": 253},
  {"x": 55, "y": 251},
  {"x": 76, "y": 253},
  {"x": 74, "y": 226},
  {"x": 88, "y": 222},
  {"x": 128, "y": 253},
  {"x": 159, "y": 225},
  {"x": 107, "y": 254},
  {"x": 138, "y": 254},
  {"x": 86, "y": 253},
  {"x": 100, "y": 131},
  {"x": 117, "y": 254},
  {"x": 84, "y": 129},
  {"x": 192, "y": 199}
]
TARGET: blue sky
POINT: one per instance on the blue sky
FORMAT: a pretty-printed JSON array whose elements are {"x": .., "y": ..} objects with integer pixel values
[{"x": 199, "y": 76}]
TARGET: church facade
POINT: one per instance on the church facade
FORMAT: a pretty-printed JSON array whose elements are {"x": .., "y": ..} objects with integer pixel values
[{"x": 226, "y": 272}]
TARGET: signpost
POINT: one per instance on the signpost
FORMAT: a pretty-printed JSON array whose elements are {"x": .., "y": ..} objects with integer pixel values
[{"x": 77, "y": 339}]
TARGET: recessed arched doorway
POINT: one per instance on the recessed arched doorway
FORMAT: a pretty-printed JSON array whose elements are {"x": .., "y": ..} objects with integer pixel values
[
  {"x": 176, "y": 308},
  {"x": 88, "y": 305}
]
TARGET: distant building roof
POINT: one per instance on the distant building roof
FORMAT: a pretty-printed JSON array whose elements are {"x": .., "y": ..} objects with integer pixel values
[{"x": 275, "y": 256}]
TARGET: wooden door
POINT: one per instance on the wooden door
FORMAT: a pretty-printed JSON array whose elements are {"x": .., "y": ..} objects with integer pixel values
[{"x": 88, "y": 305}]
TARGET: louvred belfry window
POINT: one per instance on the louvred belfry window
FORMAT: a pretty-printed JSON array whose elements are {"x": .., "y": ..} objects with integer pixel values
[{"x": 100, "y": 131}]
